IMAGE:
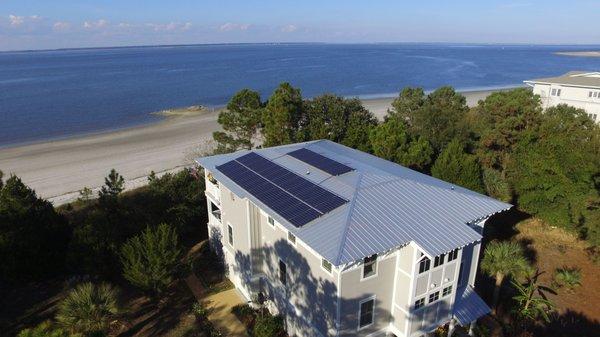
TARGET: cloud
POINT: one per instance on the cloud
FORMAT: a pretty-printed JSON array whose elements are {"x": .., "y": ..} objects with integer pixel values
[
  {"x": 170, "y": 27},
  {"x": 61, "y": 26},
  {"x": 95, "y": 24},
  {"x": 15, "y": 20},
  {"x": 228, "y": 27},
  {"x": 289, "y": 28}
]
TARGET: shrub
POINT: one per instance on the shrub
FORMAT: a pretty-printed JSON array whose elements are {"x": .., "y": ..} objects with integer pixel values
[
  {"x": 268, "y": 326},
  {"x": 45, "y": 329},
  {"x": 567, "y": 277},
  {"x": 89, "y": 309},
  {"x": 150, "y": 259}
]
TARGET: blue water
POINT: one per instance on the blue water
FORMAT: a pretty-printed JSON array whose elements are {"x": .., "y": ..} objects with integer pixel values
[{"x": 55, "y": 94}]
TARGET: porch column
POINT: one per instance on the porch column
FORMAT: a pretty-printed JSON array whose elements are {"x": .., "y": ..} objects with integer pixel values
[
  {"x": 451, "y": 327},
  {"x": 472, "y": 328}
]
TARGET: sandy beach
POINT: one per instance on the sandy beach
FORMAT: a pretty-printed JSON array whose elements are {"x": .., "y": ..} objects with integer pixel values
[{"x": 57, "y": 170}]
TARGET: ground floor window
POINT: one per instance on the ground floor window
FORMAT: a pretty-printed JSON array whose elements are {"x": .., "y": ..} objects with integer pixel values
[
  {"x": 230, "y": 234},
  {"x": 282, "y": 272},
  {"x": 366, "y": 313}
]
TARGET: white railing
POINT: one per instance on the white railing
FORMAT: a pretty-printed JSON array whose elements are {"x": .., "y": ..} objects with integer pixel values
[{"x": 213, "y": 190}]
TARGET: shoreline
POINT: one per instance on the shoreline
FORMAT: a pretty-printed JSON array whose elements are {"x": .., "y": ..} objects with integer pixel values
[{"x": 58, "y": 169}]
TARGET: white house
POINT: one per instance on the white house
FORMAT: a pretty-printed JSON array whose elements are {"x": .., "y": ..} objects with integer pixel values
[
  {"x": 344, "y": 243},
  {"x": 580, "y": 89}
]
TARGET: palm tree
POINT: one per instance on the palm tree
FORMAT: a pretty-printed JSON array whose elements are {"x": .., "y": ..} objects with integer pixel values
[
  {"x": 532, "y": 299},
  {"x": 502, "y": 259},
  {"x": 89, "y": 309}
]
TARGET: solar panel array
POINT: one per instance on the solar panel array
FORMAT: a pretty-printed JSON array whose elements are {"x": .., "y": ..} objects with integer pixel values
[
  {"x": 296, "y": 199},
  {"x": 321, "y": 162}
]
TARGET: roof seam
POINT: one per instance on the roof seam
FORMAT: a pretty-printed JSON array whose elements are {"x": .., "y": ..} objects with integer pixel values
[{"x": 347, "y": 226}]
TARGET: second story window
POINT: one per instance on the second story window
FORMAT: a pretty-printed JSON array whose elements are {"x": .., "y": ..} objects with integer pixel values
[
  {"x": 370, "y": 266},
  {"x": 326, "y": 265},
  {"x": 292, "y": 238},
  {"x": 447, "y": 291},
  {"x": 230, "y": 234},
  {"x": 453, "y": 255},
  {"x": 271, "y": 221},
  {"x": 282, "y": 272},
  {"x": 366, "y": 313},
  {"x": 419, "y": 303},
  {"x": 555, "y": 92},
  {"x": 434, "y": 297},
  {"x": 424, "y": 265},
  {"x": 439, "y": 260}
]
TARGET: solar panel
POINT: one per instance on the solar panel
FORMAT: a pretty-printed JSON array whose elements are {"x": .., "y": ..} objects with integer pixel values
[
  {"x": 321, "y": 162},
  {"x": 293, "y": 197}
]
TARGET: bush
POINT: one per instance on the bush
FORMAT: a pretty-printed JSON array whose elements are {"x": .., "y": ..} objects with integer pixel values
[
  {"x": 201, "y": 313},
  {"x": 46, "y": 329},
  {"x": 268, "y": 326},
  {"x": 150, "y": 259},
  {"x": 567, "y": 277},
  {"x": 89, "y": 309}
]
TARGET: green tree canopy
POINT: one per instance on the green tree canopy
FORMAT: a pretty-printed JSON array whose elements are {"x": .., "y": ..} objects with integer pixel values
[
  {"x": 408, "y": 103},
  {"x": 151, "y": 258},
  {"x": 502, "y": 118},
  {"x": 113, "y": 185},
  {"x": 33, "y": 237},
  {"x": 240, "y": 121},
  {"x": 556, "y": 167},
  {"x": 456, "y": 166},
  {"x": 338, "y": 119},
  {"x": 391, "y": 141},
  {"x": 282, "y": 115}
]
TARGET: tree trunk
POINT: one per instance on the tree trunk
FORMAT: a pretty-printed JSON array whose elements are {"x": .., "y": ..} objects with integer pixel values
[{"x": 499, "y": 279}]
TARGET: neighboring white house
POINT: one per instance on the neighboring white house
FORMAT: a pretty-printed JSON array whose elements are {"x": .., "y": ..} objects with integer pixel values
[
  {"x": 580, "y": 89},
  {"x": 343, "y": 243}
]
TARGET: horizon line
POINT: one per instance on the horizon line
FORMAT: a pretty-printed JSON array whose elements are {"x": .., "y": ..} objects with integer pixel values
[{"x": 296, "y": 43}]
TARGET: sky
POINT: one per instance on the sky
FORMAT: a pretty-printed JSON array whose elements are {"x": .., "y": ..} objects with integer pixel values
[{"x": 50, "y": 24}]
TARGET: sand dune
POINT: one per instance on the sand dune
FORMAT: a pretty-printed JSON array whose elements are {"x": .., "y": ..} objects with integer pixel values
[{"x": 57, "y": 170}]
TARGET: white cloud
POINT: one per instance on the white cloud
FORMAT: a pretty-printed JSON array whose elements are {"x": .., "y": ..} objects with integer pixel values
[
  {"x": 95, "y": 24},
  {"x": 228, "y": 27},
  {"x": 60, "y": 26},
  {"x": 170, "y": 27},
  {"x": 289, "y": 28},
  {"x": 15, "y": 20}
]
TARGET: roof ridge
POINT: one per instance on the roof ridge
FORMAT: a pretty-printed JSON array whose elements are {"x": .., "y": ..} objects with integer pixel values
[{"x": 346, "y": 222}]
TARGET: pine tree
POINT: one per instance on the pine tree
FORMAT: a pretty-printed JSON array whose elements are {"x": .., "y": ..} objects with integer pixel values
[
  {"x": 456, "y": 166},
  {"x": 240, "y": 121},
  {"x": 282, "y": 115}
]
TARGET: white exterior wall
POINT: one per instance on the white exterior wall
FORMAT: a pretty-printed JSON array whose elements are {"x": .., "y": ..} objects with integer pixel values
[
  {"x": 578, "y": 97},
  {"x": 320, "y": 303}
]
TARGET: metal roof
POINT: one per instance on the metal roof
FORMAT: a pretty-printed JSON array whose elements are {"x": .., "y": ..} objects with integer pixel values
[
  {"x": 573, "y": 78},
  {"x": 389, "y": 205},
  {"x": 469, "y": 306}
]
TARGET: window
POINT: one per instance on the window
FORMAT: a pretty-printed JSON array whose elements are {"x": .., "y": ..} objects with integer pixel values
[
  {"x": 595, "y": 94},
  {"x": 282, "y": 272},
  {"x": 434, "y": 297},
  {"x": 439, "y": 260},
  {"x": 271, "y": 221},
  {"x": 419, "y": 303},
  {"x": 366, "y": 313},
  {"x": 590, "y": 94},
  {"x": 558, "y": 92},
  {"x": 553, "y": 92},
  {"x": 453, "y": 255},
  {"x": 326, "y": 265},
  {"x": 424, "y": 265},
  {"x": 370, "y": 266},
  {"x": 230, "y": 234},
  {"x": 291, "y": 237},
  {"x": 447, "y": 291}
]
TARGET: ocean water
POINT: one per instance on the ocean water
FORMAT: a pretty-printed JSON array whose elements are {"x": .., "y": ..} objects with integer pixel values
[{"x": 56, "y": 94}]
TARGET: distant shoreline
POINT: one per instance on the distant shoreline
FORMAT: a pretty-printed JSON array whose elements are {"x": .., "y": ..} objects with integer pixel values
[{"x": 579, "y": 53}]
